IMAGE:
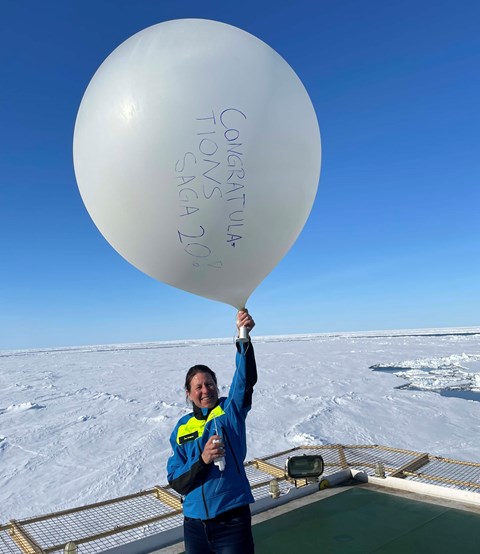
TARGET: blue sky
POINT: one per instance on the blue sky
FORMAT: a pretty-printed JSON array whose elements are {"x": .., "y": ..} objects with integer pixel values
[{"x": 393, "y": 238}]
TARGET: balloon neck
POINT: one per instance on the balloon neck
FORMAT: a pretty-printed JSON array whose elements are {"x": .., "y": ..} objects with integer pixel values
[{"x": 243, "y": 335}]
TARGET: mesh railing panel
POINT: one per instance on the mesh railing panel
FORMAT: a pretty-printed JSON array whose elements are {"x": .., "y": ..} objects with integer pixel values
[
  {"x": 449, "y": 473},
  {"x": 365, "y": 459},
  {"x": 104, "y": 525},
  {"x": 7, "y": 545}
]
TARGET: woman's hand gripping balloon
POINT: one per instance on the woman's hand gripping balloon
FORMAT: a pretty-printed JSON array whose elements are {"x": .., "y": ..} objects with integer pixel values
[{"x": 245, "y": 324}]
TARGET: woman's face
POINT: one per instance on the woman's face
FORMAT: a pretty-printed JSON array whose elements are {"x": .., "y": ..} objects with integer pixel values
[{"x": 203, "y": 390}]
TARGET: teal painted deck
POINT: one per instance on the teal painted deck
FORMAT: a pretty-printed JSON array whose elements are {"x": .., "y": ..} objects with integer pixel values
[{"x": 361, "y": 521}]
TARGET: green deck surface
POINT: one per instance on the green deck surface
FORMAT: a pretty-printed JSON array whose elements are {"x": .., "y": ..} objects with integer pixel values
[{"x": 362, "y": 521}]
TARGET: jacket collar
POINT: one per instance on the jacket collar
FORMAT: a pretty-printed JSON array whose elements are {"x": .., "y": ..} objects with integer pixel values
[{"x": 202, "y": 413}]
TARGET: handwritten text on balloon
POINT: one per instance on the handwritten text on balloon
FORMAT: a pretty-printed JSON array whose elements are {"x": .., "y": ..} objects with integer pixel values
[{"x": 212, "y": 171}]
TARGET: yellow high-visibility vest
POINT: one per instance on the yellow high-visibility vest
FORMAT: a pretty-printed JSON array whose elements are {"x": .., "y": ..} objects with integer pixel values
[{"x": 193, "y": 428}]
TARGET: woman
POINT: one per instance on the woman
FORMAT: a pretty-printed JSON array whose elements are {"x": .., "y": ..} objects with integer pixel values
[{"x": 216, "y": 495}]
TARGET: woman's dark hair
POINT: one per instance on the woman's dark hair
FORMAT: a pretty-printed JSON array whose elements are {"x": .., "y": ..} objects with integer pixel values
[{"x": 198, "y": 369}]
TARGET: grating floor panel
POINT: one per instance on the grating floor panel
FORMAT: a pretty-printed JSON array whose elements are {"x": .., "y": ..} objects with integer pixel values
[{"x": 101, "y": 526}]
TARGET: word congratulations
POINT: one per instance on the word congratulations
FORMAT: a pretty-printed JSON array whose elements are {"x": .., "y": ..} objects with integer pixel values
[{"x": 210, "y": 179}]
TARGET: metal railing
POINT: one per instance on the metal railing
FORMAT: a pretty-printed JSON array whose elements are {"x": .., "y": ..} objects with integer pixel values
[{"x": 105, "y": 525}]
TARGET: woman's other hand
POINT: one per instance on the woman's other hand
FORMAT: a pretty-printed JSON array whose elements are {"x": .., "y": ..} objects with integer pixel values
[{"x": 213, "y": 449}]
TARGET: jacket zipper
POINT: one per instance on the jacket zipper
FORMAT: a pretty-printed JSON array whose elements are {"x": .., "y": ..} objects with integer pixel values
[
  {"x": 203, "y": 492},
  {"x": 204, "y": 502},
  {"x": 231, "y": 450}
]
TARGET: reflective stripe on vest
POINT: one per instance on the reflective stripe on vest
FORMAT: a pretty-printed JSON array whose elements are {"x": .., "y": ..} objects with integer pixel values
[{"x": 193, "y": 428}]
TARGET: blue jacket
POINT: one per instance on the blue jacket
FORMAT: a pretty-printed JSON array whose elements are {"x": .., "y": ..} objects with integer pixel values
[{"x": 208, "y": 491}]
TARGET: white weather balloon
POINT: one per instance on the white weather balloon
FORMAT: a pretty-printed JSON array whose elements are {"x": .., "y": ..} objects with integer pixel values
[{"x": 197, "y": 154}]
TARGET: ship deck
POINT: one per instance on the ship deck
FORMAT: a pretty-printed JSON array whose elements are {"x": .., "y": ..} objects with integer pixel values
[{"x": 363, "y": 519}]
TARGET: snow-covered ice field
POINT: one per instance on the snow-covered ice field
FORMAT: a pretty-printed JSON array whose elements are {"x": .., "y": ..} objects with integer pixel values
[{"x": 79, "y": 425}]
